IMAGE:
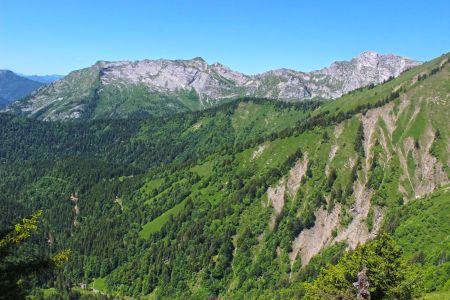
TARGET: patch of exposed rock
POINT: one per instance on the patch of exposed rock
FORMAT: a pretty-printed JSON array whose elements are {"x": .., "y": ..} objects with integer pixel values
[
  {"x": 296, "y": 175},
  {"x": 311, "y": 241},
  {"x": 276, "y": 195},
  {"x": 429, "y": 172},
  {"x": 258, "y": 152}
]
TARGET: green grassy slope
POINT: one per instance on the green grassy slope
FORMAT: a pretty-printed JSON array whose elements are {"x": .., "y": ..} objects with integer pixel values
[{"x": 424, "y": 234}]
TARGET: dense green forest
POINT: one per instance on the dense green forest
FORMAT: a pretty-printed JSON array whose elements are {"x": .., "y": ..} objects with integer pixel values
[
  {"x": 253, "y": 199},
  {"x": 150, "y": 142}
]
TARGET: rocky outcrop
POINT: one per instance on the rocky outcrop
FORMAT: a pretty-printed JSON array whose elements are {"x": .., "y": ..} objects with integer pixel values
[
  {"x": 209, "y": 81},
  {"x": 276, "y": 197},
  {"x": 369, "y": 67},
  {"x": 296, "y": 175},
  {"x": 311, "y": 241},
  {"x": 76, "y": 209},
  {"x": 258, "y": 152}
]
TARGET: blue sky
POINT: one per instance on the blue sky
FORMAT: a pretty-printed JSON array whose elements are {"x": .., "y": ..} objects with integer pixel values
[{"x": 47, "y": 37}]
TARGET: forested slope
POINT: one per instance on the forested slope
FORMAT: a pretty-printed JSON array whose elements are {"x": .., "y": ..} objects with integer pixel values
[
  {"x": 246, "y": 200},
  {"x": 149, "y": 142}
]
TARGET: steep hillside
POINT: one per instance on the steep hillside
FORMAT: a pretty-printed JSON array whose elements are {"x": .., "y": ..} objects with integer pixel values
[
  {"x": 164, "y": 87},
  {"x": 252, "y": 202},
  {"x": 423, "y": 231},
  {"x": 286, "y": 205},
  {"x": 14, "y": 87}
]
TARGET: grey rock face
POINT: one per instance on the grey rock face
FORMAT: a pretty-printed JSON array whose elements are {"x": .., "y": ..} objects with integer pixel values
[
  {"x": 209, "y": 81},
  {"x": 339, "y": 78},
  {"x": 69, "y": 97},
  {"x": 367, "y": 68}
]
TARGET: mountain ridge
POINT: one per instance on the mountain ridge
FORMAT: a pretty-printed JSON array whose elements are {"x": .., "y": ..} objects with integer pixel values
[
  {"x": 14, "y": 87},
  {"x": 112, "y": 89},
  {"x": 48, "y": 78}
]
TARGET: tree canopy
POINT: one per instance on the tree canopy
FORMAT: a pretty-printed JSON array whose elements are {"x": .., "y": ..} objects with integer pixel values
[
  {"x": 16, "y": 269},
  {"x": 389, "y": 276}
]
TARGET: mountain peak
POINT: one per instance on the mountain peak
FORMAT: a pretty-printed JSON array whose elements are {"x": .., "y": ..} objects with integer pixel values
[
  {"x": 7, "y": 72},
  {"x": 198, "y": 58},
  {"x": 14, "y": 87},
  {"x": 368, "y": 54}
]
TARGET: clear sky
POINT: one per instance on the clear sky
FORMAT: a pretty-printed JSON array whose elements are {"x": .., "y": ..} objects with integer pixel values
[{"x": 56, "y": 37}]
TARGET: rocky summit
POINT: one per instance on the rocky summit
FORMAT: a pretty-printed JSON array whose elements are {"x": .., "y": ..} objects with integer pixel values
[{"x": 124, "y": 89}]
